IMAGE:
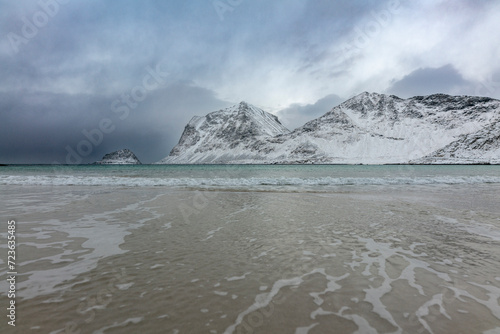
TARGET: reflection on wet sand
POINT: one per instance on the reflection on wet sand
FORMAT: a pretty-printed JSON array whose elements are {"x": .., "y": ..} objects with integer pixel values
[{"x": 151, "y": 260}]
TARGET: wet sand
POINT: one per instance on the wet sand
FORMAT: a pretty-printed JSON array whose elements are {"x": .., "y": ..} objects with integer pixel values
[{"x": 153, "y": 260}]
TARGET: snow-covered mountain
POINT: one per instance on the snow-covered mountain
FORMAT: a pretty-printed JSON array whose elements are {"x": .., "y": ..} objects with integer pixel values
[
  {"x": 231, "y": 135},
  {"x": 369, "y": 128},
  {"x": 481, "y": 147},
  {"x": 120, "y": 157}
]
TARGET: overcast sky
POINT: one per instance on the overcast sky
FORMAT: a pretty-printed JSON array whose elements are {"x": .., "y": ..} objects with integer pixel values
[{"x": 81, "y": 78}]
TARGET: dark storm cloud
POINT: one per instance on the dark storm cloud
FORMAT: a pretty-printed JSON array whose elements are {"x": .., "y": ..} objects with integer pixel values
[
  {"x": 64, "y": 63},
  {"x": 297, "y": 115},
  {"x": 61, "y": 84},
  {"x": 38, "y": 127},
  {"x": 426, "y": 81}
]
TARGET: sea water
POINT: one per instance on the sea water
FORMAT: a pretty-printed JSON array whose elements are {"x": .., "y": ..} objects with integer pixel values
[{"x": 253, "y": 249}]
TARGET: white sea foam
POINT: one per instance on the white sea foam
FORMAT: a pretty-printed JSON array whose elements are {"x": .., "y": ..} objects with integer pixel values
[
  {"x": 103, "y": 244},
  {"x": 158, "y": 265},
  {"x": 320, "y": 311},
  {"x": 264, "y": 299},
  {"x": 305, "y": 330},
  {"x": 266, "y": 182},
  {"x": 264, "y": 253},
  {"x": 474, "y": 227},
  {"x": 221, "y": 293},
  {"x": 236, "y": 278},
  {"x": 375, "y": 260},
  {"x": 424, "y": 310},
  {"x": 120, "y": 324},
  {"x": 211, "y": 233}
]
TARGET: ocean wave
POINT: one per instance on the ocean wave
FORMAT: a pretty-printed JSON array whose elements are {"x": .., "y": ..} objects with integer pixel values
[{"x": 252, "y": 182}]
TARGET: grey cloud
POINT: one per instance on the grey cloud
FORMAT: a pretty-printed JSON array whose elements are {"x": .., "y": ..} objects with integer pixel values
[
  {"x": 297, "y": 115},
  {"x": 39, "y": 128},
  {"x": 426, "y": 81},
  {"x": 65, "y": 78}
]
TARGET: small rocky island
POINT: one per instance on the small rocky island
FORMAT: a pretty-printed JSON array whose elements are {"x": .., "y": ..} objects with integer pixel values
[{"x": 120, "y": 157}]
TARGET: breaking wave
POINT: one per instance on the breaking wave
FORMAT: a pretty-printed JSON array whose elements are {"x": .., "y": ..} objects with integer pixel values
[{"x": 239, "y": 183}]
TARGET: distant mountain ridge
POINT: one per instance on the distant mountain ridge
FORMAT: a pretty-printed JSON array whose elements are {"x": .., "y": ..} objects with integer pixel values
[{"x": 369, "y": 128}]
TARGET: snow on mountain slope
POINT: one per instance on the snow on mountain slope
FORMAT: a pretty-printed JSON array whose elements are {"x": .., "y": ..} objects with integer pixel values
[
  {"x": 481, "y": 147},
  {"x": 375, "y": 128},
  {"x": 369, "y": 128},
  {"x": 120, "y": 157},
  {"x": 226, "y": 136}
]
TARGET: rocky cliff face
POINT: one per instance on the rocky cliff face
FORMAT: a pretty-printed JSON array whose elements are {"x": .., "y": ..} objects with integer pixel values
[
  {"x": 120, "y": 157},
  {"x": 369, "y": 128}
]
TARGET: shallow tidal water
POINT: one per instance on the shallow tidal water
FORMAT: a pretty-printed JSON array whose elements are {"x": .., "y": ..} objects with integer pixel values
[{"x": 370, "y": 259}]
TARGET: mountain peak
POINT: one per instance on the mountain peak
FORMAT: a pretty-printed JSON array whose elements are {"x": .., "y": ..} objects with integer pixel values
[
  {"x": 247, "y": 107},
  {"x": 369, "y": 95},
  {"x": 239, "y": 107},
  {"x": 207, "y": 139}
]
